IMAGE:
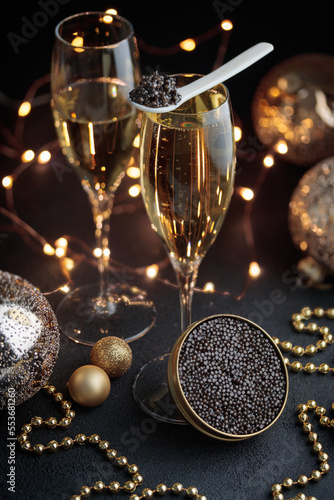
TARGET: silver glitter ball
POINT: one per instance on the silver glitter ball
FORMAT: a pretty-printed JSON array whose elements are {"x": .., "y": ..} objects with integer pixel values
[
  {"x": 29, "y": 340},
  {"x": 311, "y": 214}
]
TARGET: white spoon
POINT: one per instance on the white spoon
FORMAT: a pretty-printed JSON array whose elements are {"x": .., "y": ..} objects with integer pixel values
[{"x": 227, "y": 70}]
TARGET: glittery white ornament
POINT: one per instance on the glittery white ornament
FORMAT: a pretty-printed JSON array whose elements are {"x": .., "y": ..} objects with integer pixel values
[{"x": 29, "y": 340}]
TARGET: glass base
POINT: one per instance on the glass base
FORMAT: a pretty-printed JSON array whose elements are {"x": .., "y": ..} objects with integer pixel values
[
  {"x": 150, "y": 390},
  {"x": 126, "y": 312}
]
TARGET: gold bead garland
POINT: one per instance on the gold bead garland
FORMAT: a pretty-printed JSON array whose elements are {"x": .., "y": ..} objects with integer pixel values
[
  {"x": 298, "y": 323},
  {"x": 317, "y": 447},
  {"x": 129, "y": 487}
]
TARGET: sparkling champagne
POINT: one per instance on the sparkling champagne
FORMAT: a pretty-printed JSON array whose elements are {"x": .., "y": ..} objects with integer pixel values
[
  {"x": 187, "y": 169},
  {"x": 96, "y": 126}
]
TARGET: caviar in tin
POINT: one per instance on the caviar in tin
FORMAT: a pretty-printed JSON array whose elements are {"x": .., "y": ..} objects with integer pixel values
[{"x": 232, "y": 375}]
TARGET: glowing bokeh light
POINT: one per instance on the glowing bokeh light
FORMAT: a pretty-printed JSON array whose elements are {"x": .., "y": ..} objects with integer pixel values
[
  {"x": 246, "y": 193},
  {"x": 27, "y": 156},
  {"x": 268, "y": 161},
  {"x": 254, "y": 270},
  {"x": 44, "y": 157},
  {"x": 189, "y": 44},
  {"x": 237, "y": 133},
  {"x": 7, "y": 181},
  {"x": 24, "y": 109},
  {"x": 134, "y": 190},
  {"x": 209, "y": 287},
  {"x": 152, "y": 271},
  {"x": 227, "y": 25}
]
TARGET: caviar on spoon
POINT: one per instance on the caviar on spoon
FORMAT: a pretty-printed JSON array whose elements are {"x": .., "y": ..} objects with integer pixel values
[{"x": 158, "y": 94}]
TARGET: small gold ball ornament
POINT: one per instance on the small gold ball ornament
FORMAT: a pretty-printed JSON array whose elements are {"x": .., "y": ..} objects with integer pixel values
[
  {"x": 113, "y": 355},
  {"x": 89, "y": 385}
]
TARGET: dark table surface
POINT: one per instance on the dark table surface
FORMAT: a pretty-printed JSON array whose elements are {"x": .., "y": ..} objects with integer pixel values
[{"x": 55, "y": 207}]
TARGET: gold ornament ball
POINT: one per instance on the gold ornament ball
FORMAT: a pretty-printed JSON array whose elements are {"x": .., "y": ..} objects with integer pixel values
[
  {"x": 113, "y": 355},
  {"x": 293, "y": 104},
  {"x": 89, "y": 385},
  {"x": 311, "y": 221}
]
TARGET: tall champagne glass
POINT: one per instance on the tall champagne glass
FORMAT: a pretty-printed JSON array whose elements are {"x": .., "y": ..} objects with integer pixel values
[
  {"x": 95, "y": 62},
  {"x": 187, "y": 160}
]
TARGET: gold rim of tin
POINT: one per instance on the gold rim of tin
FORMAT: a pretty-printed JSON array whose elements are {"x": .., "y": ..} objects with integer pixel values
[{"x": 181, "y": 401}]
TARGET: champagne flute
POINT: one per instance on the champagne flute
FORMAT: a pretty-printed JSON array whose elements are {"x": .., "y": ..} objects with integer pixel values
[
  {"x": 187, "y": 160},
  {"x": 95, "y": 62}
]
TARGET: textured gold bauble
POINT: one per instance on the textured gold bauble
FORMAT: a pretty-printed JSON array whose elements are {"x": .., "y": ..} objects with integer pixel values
[
  {"x": 294, "y": 103},
  {"x": 89, "y": 385},
  {"x": 311, "y": 215},
  {"x": 113, "y": 355}
]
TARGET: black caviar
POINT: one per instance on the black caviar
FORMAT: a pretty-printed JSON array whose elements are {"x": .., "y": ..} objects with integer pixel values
[
  {"x": 156, "y": 91},
  {"x": 232, "y": 375}
]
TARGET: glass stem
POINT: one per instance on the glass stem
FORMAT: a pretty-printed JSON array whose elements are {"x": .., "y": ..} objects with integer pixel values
[
  {"x": 186, "y": 277},
  {"x": 102, "y": 207}
]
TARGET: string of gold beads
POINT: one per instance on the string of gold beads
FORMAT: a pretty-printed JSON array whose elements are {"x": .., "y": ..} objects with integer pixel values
[
  {"x": 299, "y": 325},
  {"x": 324, "y": 467},
  {"x": 129, "y": 487}
]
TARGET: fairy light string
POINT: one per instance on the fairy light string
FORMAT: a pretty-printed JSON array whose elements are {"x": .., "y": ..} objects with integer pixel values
[{"x": 14, "y": 150}]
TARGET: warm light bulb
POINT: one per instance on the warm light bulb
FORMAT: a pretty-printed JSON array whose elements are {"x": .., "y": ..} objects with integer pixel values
[
  {"x": 106, "y": 252},
  {"x": 227, "y": 25},
  {"x": 134, "y": 190},
  {"x": 268, "y": 161},
  {"x": 112, "y": 12},
  {"x": 65, "y": 289},
  {"x": 48, "y": 249},
  {"x": 7, "y": 181},
  {"x": 237, "y": 133},
  {"x": 24, "y": 109},
  {"x": 61, "y": 242},
  {"x": 68, "y": 263},
  {"x": 246, "y": 193},
  {"x": 254, "y": 270},
  {"x": 281, "y": 147},
  {"x": 44, "y": 157},
  {"x": 189, "y": 44},
  {"x": 209, "y": 287},
  {"x": 152, "y": 271},
  {"x": 97, "y": 252},
  {"x": 27, "y": 156},
  {"x": 133, "y": 172},
  {"x": 60, "y": 252}
]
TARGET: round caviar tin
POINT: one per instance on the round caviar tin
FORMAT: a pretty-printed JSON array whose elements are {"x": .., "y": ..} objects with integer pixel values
[{"x": 228, "y": 377}]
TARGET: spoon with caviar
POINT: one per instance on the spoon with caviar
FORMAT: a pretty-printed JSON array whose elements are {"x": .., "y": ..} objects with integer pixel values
[{"x": 159, "y": 94}]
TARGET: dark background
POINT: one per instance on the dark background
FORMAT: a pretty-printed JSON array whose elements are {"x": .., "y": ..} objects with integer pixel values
[{"x": 166, "y": 453}]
